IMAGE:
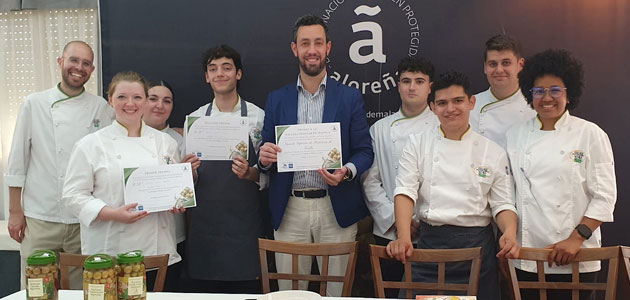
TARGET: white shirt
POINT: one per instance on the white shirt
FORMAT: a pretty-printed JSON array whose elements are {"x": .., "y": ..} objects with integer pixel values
[
  {"x": 492, "y": 117},
  {"x": 463, "y": 183},
  {"x": 389, "y": 135},
  {"x": 561, "y": 177},
  {"x": 256, "y": 118},
  {"x": 180, "y": 219},
  {"x": 48, "y": 124},
  {"x": 95, "y": 180}
]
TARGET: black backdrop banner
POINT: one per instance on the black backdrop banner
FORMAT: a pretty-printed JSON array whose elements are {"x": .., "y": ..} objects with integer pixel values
[{"x": 164, "y": 40}]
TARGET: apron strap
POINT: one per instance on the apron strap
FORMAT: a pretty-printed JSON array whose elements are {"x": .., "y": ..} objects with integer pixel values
[{"x": 243, "y": 108}]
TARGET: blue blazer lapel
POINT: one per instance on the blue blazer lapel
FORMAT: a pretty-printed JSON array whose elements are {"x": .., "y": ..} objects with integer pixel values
[
  {"x": 332, "y": 101},
  {"x": 290, "y": 105}
]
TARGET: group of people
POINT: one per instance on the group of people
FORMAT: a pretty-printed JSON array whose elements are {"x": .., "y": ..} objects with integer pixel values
[{"x": 437, "y": 174}]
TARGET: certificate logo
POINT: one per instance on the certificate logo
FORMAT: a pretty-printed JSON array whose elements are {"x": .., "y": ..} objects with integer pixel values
[{"x": 370, "y": 38}]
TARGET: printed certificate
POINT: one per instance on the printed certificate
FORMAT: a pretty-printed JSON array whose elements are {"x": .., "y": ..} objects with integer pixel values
[
  {"x": 309, "y": 147},
  {"x": 159, "y": 188},
  {"x": 217, "y": 138}
]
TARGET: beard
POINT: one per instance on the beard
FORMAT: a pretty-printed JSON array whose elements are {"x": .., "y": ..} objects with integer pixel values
[
  {"x": 66, "y": 77},
  {"x": 313, "y": 70}
]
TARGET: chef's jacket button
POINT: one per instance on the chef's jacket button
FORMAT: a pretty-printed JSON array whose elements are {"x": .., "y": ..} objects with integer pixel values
[
  {"x": 528, "y": 153},
  {"x": 61, "y": 176},
  {"x": 59, "y": 151},
  {"x": 475, "y": 143},
  {"x": 118, "y": 156},
  {"x": 558, "y": 232},
  {"x": 559, "y": 178},
  {"x": 472, "y": 165},
  {"x": 396, "y": 167},
  {"x": 561, "y": 152},
  {"x": 557, "y": 205},
  {"x": 394, "y": 141},
  {"x": 481, "y": 131},
  {"x": 114, "y": 138},
  {"x": 436, "y": 159},
  {"x": 433, "y": 183},
  {"x": 56, "y": 124}
]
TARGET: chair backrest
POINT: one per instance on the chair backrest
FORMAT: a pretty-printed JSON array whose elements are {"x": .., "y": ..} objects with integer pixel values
[
  {"x": 624, "y": 287},
  {"x": 76, "y": 260},
  {"x": 324, "y": 250},
  {"x": 587, "y": 254},
  {"x": 439, "y": 256}
]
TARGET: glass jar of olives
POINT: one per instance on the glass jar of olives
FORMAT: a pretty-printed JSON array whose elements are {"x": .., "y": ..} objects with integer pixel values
[
  {"x": 42, "y": 275},
  {"x": 99, "y": 280},
  {"x": 132, "y": 279}
]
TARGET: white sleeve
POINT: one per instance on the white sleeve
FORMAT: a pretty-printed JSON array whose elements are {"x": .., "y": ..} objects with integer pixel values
[
  {"x": 408, "y": 178},
  {"x": 78, "y": 187},
  {"x": 601, "y": 182},
  {"x": 381, "y": 208},
  {"x": 20, "y": 155},
  {"x": 502, "y": 194}
]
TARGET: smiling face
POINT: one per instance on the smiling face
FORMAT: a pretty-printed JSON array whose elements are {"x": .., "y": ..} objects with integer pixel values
[
  {"x": 311, "y": 49},
  {"x": 159, "y": 107},
  {"x": 76, "y": 66},
  {"x": 414, "y": 89},
  {"x": 128, "y": 100},
  {"x": 452, "y": 107},
  {"x": 222, "y": 75},
  {"x": 501, "y": 69},
  {"x": 550, "y": 109}
]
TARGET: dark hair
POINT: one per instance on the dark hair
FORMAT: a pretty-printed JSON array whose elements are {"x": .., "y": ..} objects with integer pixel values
[
  {"x": 164, "y": 84},
  {"x": 219, "y": 52},
  {"x": 502, "y": 42},
  {"x": 309, "y": 20},
  {"x": 448, "y": 79},
  {"x": 420, "y": 64},
  {"x": 556, "y": 62}
]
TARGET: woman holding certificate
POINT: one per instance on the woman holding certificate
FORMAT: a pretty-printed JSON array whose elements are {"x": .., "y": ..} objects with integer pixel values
[{"x": 93, "y": 187}]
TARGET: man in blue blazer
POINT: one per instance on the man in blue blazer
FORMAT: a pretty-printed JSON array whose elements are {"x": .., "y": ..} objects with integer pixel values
[{"x": 316, "y": 206}]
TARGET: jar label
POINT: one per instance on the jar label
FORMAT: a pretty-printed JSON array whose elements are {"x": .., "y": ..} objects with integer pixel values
[
  {"x": 136, "y": 286},
  {"x": 96, "y": 292},
  {"x": 35, "y": 287}
]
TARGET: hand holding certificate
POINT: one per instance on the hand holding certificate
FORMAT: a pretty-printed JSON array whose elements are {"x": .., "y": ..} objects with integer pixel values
[
  {"x": 159, "y": 188},
  {"x": 309, "y": 147},
  {"x": 217, "y": 138}
]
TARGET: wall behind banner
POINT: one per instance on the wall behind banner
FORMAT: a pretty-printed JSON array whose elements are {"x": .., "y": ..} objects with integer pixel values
[{"x": 165, "y": 40}]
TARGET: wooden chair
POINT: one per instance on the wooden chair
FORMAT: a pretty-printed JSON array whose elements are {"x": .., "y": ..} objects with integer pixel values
[
  {"x": 439, "y": 256},
  {"x": 587, "y": 254},
  {"x": 296, "y": 249},
  {"x": 623, "y": 283},
  {"x": 76, "y": 260}
]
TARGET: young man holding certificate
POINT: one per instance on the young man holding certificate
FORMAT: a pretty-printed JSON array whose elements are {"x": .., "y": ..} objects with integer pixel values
[
  {"x": 316, "y": 205},
  {"x": 223, "y": 232}
]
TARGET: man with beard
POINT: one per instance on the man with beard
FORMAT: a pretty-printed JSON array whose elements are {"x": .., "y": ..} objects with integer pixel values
[
  {"x": 48, "y": 125},
  {"x": 316, "y": 206}
]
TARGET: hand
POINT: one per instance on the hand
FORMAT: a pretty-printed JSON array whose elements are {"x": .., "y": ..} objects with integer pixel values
[
  {"x": 415, "y": 226},
  {"x": 194, "y": 161},
  {"x": 333, "y": 179},
  {"x": 178, "y": 210},
  {"x": 240, "y": 167},
  {"x": 269, "y": 154},
  {"x": 509, "y": 246},
  {"x": 17, "y": 226},
  {"x": 400, "y": 249},
  {"x": 124, "y": 214},
  {"x": 564, "y": 252}
]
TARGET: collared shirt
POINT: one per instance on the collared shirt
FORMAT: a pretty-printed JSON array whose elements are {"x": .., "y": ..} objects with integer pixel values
[
  {"x": 388, "y": 138},
  {"x": 561, "y": 176},
  {"x": 256, "y": 118},
  {"x": 492, "y": 117},
  {"x": 463, "y": 183},
  {"x": 310, "y": 110},
  {"x": 180, "y": 219},
  {"x": 95, "y": 180},
  {"x": 48, "y": 125}
]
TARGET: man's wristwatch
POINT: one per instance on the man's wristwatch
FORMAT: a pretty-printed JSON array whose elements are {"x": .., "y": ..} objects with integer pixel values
[
  {"x": 348, "y": 175},
  {"x": 584, "y": 231}
]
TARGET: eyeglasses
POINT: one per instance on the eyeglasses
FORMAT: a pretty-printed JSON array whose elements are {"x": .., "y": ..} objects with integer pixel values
[{"x": 554, "y": 91}]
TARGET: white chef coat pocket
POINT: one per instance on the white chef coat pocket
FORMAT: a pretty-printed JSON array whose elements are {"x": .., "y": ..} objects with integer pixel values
[{"x": 485, "y": 177}]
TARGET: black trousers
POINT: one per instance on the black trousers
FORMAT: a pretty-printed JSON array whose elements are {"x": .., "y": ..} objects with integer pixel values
[{"x": 556, "y": 294}]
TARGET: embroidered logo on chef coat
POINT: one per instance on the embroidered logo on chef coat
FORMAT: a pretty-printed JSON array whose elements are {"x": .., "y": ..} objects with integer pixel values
[
  {"x": 167, "y": 159},
  {"x": 96, "y": 123},
  {"x": 483, "y": 172},
  {"x": 577, "y": 156}
]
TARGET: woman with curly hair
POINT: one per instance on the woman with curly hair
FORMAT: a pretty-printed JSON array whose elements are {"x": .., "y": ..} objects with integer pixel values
[{"x": 564, "y": 171}]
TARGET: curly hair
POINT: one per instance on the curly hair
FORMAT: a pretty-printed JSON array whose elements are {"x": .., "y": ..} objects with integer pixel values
[
  {"x": 556, "y": 62},
  {"x": 420, "y": 64},
  {"x": 448, "y": 79}
]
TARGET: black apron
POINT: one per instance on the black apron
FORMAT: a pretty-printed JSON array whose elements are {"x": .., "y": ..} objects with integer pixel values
[{"x": 224, "y": 228}]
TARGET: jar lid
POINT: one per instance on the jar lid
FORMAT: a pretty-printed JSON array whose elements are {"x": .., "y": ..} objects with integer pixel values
[
  {"x": 130, "y": 257},
  {"x": 98, "y": 261},
  {"x": 42, "y": 257}
]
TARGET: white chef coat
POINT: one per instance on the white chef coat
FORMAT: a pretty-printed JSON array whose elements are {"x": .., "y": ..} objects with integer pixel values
[
  {"x": 463, "y": 183},
  {"x": 48, "y": 124},
  {"x": 388, "y": 138},
  {"x": 492, "y": 117},
  {"x": 561, "y": 177},
  {"x": 256, "y": 118},
  {"x": 95, "y": 180},
  {"x": 180, "y": 219}
]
